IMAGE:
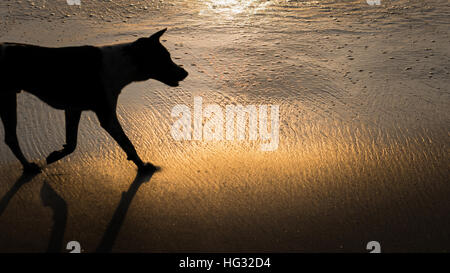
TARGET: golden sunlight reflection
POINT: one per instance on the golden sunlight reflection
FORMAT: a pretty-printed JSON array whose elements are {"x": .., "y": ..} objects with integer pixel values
[{"x": 230, "y": 8}]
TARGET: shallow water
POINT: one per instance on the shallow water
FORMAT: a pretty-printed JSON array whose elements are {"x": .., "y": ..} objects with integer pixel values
[{"x": 364, "y": 129}]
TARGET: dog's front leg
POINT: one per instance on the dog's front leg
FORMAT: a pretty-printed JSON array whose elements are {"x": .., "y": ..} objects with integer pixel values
[
  {"x": 108, "y": 120},
  {"x": 8, "y": 114},
  {"x": 72, "y": 121}
]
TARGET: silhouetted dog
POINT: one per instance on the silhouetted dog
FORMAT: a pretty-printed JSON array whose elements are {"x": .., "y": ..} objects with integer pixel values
[{"x": 76, "y": 79}]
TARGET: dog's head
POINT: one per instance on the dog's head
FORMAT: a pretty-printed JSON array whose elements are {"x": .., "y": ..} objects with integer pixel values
[{"x": 153, "y": 61}]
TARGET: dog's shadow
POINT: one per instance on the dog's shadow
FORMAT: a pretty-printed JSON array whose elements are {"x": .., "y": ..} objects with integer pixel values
[
  {"x": 58, "y": 205},
  {"x": 109, "y": 237},
  {"x": 23, "y": 179},
  {"x": 50, "y": 198}
]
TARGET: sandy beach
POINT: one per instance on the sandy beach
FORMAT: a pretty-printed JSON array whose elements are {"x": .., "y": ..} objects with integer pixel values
[{"x": 363, "y": 154}]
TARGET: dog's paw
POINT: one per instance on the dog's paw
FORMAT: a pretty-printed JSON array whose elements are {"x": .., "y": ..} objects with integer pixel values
[
  {"x": 55, "y": 156},
  {"x": 31, "y": 168},
  {"x": 148, "y": 168}
]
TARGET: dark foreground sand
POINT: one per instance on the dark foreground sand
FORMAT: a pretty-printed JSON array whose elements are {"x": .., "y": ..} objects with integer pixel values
[{"x": 364, "y": 134}]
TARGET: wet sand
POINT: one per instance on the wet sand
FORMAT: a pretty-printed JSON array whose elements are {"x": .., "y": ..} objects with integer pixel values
[{"x": 364, "y": 131}]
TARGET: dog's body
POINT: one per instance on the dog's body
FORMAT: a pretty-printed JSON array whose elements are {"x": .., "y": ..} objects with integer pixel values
[{"x": 76, "y": 79}]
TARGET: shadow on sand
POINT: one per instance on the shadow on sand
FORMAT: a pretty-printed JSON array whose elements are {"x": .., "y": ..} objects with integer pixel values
[
  {"x": 49, "y": 198},
  {"x": 59, "y": 207},
  {"x": 110, "y": 235},
  {"x": 23, "y": 179}
]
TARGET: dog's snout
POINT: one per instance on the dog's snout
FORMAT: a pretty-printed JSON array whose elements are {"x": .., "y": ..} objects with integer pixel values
[
  {"x": 179, "y": 72},
  {"x": 183, "y": 74}
]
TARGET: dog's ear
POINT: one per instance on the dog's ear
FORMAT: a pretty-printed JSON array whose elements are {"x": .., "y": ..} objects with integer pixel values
[{"x": 158, "y": 34}]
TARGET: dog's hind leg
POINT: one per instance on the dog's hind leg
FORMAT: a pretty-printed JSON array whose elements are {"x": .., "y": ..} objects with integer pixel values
[
  {"x": 108, "y": 120},
  {"x": 8, "y": 114},
  {"x": 72, "y": 121}
]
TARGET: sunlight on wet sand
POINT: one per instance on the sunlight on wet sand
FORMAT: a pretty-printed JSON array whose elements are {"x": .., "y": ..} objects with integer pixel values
[{"x": 242, "y": 199}]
